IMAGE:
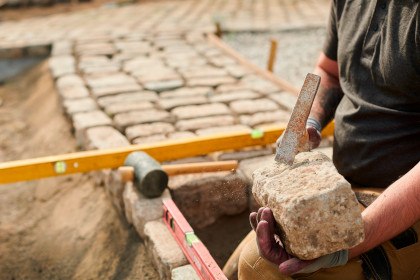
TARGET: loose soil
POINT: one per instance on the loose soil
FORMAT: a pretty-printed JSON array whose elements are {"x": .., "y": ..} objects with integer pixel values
[{"x": 64, "y": 227}]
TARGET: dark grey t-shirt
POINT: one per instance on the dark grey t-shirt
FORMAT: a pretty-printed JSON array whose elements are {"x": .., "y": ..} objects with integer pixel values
[{"x": 377, "y": 46}]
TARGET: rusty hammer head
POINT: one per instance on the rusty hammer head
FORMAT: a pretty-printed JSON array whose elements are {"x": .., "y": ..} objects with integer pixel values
[{"x": 149, "y": 177}]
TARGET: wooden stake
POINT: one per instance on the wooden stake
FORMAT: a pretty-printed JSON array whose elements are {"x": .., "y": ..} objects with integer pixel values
[
  {"x": 272, "y": 55},
  {"x": 219, "y": 31}
]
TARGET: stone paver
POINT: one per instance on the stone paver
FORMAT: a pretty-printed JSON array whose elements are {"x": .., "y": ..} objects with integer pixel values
[
  {"x": 143, "y": 130},
  {"x": 163, "y": 249},
  {"x": 127, "y": 106},
  {"x": 187, "y": 92},
  {"x": 170, "y": 103},
  {"x": 104, "y": 137},
  {"x": 133, "y": 97},
  {"x": 210, "y": 81},
  {"x": 152, "y": 139},
  {"x": 185, "y": 272},
  {"x": 230, "y": 96},
  {"x": 123, "y": 120},
  {"x": 73, "y": 106},
  {"x": 223, "y": 129},
  {"x": 62, "y": 65},
  {"x": 265, "y": 118},
  {"x": 253, "y": 106},
  {"x": 206, "y": 122},
  {"x": 197, "y": 111}
]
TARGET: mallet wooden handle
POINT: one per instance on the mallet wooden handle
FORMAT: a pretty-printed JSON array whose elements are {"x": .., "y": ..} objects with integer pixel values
[{"x": 127, "y": 172}]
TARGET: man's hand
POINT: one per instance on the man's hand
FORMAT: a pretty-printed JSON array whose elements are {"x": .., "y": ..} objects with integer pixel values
[
  {"x": 272, "y": 250},
  {"x": 312, "y": 136}
]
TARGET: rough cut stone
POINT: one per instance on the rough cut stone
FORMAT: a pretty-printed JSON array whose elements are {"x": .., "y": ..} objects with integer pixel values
[
  {"x": 210, "y": 81},
  {"x": 83, "y": 121},
  {"x": 149, "y": 139},
  {"x": 265, "y": 118},
  {"x": 163, "y": 249},
  {"x": 62, "y": 65},
  {"x": 181, "y": 134},
  {"x": 284, "y": 99},
  {"x": 253, "y": 106},
  {"x": 143, "y": 130},
  {"x": 73, "y": 106},
  {"x": 115, "y": 89},
  {"x": 196, "y": 111},
  {"x": 186, "y": 92},
  {"x": 199, "y": 123},
  {"x": 259, "y": 84},
  {"x": 69, "y": 81},
  {"x": 245, "y": 153},
  {"x": 104, "y": 137},
  {"x": 139, "y": 210},
  {"x": 205, "y": 197},
  {"x": 170, "y": 103},
  {"x": 223, "y": 129},
  {"x": 123, "y": 120},
  {"x": 127, "y": 106},
  {"x": 234, "y": 95},
  {"x": 133, "y": 97},
  {"x": 109, "y": 80},
  {"x": 74, "y": 92},
  {"x": 185, "y": 272},
  {"x": 314, "y": 206},
  {"x": 163, "y": 85}
]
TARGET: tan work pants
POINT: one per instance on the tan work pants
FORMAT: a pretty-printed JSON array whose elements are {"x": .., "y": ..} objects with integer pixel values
[{"x": 404, "y": 264}]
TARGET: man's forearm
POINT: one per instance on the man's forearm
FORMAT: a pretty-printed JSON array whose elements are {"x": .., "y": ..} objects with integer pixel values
[
  {"x": 395, "y": 210},
  {"x": 329, "y": 93}
]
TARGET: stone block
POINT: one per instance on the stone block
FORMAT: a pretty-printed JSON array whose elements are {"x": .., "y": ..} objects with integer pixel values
[
  {"x": 205, "y": 197},
  {"x": 187, "y": 92},
  {"x": 199, "y": 72},
  {"x": 210, "y": 81},
  {"x": 163, "y": 249},
  {"x": 62, "y": 48},
  {"x": 314, "y": 206},
  {"x": 200, "y": 123},
  {"x": 104, "y": 137},
  {"x": 245, "y": 153},
  {"x": 143, "y": 130},
  {"x": 253, "y": 106},
  {"x": 127, "y": 106},
  {"x": 110, "y": 80},
  {"x": 100, "y": 48},
  {"x": 139, "y": 209},
  {"x": 185, "y": 272},
  {"x": 181, "y": 135},
  {"x": 73, "y": 92},
  {"x": 163, "y": 85},
  {"x": 232, "y": 87},
  {"x": 285, "y": 100},
  {"x": 114, "y": 187},
  {"x": 259, "y": 84},
  {"x": 62, "y": 65},
  {"x": 83, "y": 121},
  {"x": 124, "y": 120},
  {"x": 197, "y": 111},
  {"x": 223, "y": 129},
  {"x": 265, "y": 118},
  {"x": 69, "y": 81},
  {"x": 110, "y": 90},
  {"x": 132, "y": 97},
  {"x": 170, "y": 103},
  {"x": 237, "y": 71},
  {"x": 80, "y": 105},
  {"x": 149, "y": 139},
  {"x": 230, "y": 96}
]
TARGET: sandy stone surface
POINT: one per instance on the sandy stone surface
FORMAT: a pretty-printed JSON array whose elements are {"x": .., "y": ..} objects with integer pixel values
[{"x": 316, "y": 210}]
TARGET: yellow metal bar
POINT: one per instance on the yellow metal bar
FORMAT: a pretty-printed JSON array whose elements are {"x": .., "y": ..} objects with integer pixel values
[{"x": 31, "y": 169}]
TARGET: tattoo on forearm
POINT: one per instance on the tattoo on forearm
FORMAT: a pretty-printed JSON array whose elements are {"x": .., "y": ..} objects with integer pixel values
[{"x": 325, "y": 104}]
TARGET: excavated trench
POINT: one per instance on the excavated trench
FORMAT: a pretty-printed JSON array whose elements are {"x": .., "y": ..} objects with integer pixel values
[{"x": 67, "y": 227}]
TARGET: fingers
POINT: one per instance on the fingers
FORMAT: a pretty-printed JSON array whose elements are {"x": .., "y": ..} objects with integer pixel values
[
  {"x": 267, "y": 215},
  {"x": 253, "y": 220},
  {"x": 293, "y": 266},
  {"x": 314, "y": 137}
]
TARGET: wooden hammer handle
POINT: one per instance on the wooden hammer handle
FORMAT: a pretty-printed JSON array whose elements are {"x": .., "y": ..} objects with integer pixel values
[{"x": 127, "y": 172}]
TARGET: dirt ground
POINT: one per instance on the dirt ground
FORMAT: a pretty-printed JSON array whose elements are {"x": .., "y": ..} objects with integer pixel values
[{"x": 59, "y": 228}]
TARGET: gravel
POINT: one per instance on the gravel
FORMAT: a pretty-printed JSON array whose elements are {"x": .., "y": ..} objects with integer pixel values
[{"x": 297, "y": 50}]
